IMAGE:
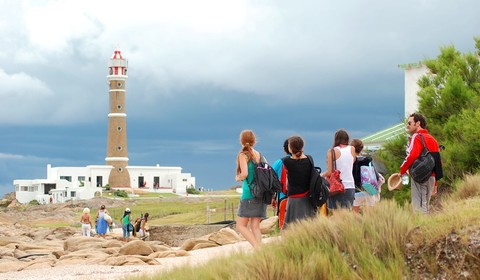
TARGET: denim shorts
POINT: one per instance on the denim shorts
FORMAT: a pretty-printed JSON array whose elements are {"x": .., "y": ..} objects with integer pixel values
[
  {"x": 344, "y": 200},
  {"x": 126, "y": 233},
  {"x": 252, "y": 208}
]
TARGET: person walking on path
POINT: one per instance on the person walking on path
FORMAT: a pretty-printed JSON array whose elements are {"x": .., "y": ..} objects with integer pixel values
[
  {"x": 251, "y": 210},
  {"x": 101, "y": 223},
  {"x": 126, "y": 224},
  {"x": 421, "y": 193},
  {"x": 143, "y": 227},
  {"x": 344, "y": 158},
  {"x": 86, "y": 222},
  {"x": 299, "y": 171}
]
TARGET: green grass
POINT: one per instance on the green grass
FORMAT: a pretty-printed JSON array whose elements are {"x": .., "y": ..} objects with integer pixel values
[
  {"x": 182, "y": 210},
  {"x": 374, "y": 245}
]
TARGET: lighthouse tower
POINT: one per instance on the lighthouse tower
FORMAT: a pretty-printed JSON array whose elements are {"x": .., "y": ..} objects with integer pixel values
[{"x": 117, "y": 152}]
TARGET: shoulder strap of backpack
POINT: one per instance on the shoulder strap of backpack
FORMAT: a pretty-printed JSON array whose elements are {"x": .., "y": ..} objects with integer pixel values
[
  {"x": 423, "y": 142},
  {"x": 334, "y": 158},
  {"x": 310, "y": 158},
  {"x": 255, "y": 163}
]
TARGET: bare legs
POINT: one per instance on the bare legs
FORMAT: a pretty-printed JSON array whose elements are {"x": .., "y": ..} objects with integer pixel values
[{"x": 252, "y": 235}]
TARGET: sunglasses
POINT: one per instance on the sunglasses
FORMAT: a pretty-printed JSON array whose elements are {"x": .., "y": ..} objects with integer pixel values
[{"x": 410, "y": 123}]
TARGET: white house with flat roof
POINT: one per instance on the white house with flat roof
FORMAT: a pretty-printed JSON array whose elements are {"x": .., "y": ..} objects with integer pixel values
[{"x": 73, "y": 183}]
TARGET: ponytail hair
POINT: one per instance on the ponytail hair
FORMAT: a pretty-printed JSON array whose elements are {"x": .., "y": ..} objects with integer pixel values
[
  {"x": 248, "y": 140},
  {"x": 296, "y": 145}
]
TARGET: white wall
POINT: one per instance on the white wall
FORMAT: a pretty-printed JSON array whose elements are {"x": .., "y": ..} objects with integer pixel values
[
  {"x": 412, "y": 75},
  {"x": 170, "y": 178}
]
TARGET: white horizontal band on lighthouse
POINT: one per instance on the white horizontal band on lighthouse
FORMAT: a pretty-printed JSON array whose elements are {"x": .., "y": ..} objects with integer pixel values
[
  {"x": 117, "y": 77},
  {"x": 116, "y": 159},
  {"x": 117, "y": 115},
  {"x": 117, "y": 90}
]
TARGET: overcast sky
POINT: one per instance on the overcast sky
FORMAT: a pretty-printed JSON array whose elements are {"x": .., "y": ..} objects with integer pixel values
[{"x": 202, "y": 71}]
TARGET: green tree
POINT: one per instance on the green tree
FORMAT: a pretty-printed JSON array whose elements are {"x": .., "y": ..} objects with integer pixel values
[{"x": 449, "y": 97}]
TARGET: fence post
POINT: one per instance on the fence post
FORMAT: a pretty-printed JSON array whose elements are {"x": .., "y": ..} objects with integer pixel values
[
  {"x": 208, "y": 213},
  {"x": 225, "y": 210}
]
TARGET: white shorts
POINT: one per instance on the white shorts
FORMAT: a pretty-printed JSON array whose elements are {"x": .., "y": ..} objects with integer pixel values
[{"x": 364, "y": 199}]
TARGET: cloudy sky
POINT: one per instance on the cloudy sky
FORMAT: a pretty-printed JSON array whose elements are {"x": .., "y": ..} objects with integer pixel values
[{"x": 202, "y": 71}]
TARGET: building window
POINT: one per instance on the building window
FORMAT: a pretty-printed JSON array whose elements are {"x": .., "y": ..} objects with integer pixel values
[
  {"x": 184, "y": 180},
  {"x": 119, "y": 107},
  {"x": 120, "y": 169},
  {"x": 25, "y": 188},
  {"x": 119, "y": 148},
  {"x": 81, "y": 178},
  {"x": 68, "y": 178},
  {"x": 119, "y": 84},
  {"x": 119, "y": 128}
]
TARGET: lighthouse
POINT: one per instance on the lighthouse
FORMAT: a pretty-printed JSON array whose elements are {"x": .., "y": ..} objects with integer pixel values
[{"x": 117, "y": 152}]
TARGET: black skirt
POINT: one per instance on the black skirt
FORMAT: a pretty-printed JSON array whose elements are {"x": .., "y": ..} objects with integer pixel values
[{"x": 252, "y": 208}]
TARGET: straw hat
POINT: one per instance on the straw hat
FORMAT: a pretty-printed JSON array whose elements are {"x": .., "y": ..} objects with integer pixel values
[{"x": 394, "y": 182}]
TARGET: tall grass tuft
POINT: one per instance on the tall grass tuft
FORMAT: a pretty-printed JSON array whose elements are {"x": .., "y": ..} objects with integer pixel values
[
  {"x": 387, "y": 241},
  {"x": 345, "y": 246},
  {"x": 467, "y": 188}
]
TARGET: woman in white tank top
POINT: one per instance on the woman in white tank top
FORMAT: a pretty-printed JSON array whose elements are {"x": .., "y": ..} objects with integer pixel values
[{"x": 345, "y": 157}]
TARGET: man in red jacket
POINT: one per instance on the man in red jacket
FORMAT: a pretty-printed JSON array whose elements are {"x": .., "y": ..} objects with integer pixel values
[{"x": 421, "y": 192}]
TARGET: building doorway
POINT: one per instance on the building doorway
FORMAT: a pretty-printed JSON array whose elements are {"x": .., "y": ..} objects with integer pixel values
[
  {"x": 141, "y": 182},
  {"x": 99, "y": 181}
]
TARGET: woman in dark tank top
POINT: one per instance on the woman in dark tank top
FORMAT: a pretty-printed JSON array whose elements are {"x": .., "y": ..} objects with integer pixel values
[{"x": 299, "y": 171}]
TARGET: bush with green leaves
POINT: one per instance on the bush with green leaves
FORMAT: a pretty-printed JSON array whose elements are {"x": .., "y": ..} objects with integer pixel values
[
  {"x": 34, "y": 202},
  {"x": 120, "y": 193},
  {"x": 192, "y": 191},
  {"x": 449, "y": 97}
]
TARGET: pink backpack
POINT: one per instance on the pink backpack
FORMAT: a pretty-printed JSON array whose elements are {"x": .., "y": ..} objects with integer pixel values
[{"x": 369, "y": 179}]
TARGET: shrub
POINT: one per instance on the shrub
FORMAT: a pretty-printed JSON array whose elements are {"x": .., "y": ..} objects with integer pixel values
[
  {"x": 34, "y": 202},
  {"x": 120, "y": 193},
  {"x": 192, "y": 191}
]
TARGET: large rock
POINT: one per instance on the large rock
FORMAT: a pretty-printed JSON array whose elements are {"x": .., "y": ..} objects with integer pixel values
[
  {"x": 136, "y": 247},
  {"x": 12, "y": 266},
  {"x": 123, "y": 260},
  {"x": 225, "y": 236},
  {"x": 205, "y": 245},
  {"x": 169, "y": 253},
  {"x": 198, "y": 243},
  {"x": 82, "y": 242},
  {"x": 175, "y": 235},
  {"x": 267, "y": 225}
]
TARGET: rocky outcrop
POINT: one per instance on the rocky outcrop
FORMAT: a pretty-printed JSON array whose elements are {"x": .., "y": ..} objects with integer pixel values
[{"x": 25, "y": 247}]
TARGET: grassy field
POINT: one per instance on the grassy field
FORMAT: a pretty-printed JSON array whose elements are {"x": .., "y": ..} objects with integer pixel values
[
  {"x": 165, "y": 209},
  {"x": 385, "y": 242}
]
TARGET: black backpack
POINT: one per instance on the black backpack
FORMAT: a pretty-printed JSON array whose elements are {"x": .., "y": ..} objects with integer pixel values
[
  {"x": 319, "y": 186},
  {"x": 265, "y": 183},
  {"x": 422, "y": 168}
]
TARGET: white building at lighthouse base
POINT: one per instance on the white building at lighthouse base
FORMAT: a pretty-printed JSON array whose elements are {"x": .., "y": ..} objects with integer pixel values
[{"x": 75, "y": 183}]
